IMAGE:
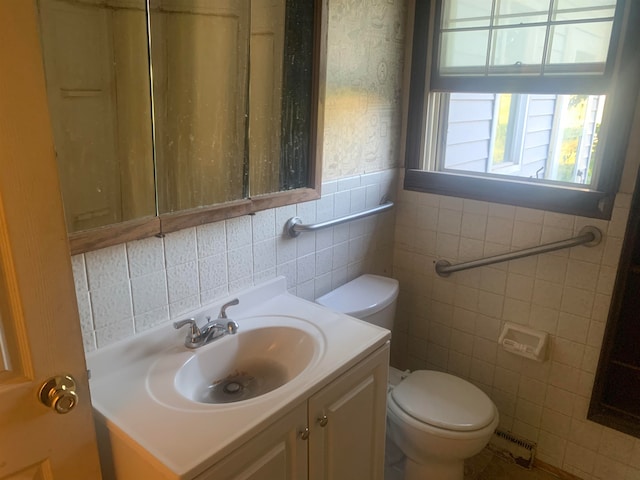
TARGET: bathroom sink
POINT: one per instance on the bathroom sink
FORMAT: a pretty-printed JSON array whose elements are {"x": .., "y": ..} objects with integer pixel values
[
  {"x": 266, "y": 353},
  {"x": 153, "y": 396},
  {"x": 246, "y": 365}
]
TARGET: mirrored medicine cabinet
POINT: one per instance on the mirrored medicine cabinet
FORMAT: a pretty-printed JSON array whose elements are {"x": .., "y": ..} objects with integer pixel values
[{"x": 173, "y": 113}]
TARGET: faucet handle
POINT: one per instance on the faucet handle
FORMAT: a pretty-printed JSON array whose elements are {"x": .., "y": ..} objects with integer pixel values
[
  {"x": 223, "y": 310},
  {"x": 194, "y": 335},
  {"x": 232, "y": 327}
]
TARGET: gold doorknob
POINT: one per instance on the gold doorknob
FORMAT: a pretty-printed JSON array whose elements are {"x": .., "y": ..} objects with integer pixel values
[{"x": 59, "y": 393}]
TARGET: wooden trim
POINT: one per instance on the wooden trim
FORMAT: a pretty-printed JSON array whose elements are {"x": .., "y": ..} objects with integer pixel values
[
  {"x": 621, "y": 103},
  {"x": 109, "y": 235},
  {"x": 172, "y": 222},
  {"x": 572, "y": 201},
  {"x": 558, "y": 472},
  {"x": 567, "y": 84},
  {"x": 418, "y": 82},
  {"x": 138, "y": 229},
  {"x": 280, "y": 199}
]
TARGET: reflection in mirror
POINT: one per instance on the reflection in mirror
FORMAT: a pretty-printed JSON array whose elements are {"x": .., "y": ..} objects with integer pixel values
[
  {"x": 265, "y": 92},
  {"x": 97, "y": 73},
  {"x": 236, "y": 107},
  {"x": 296, "y": 123},
  {"x": 200, "y": 88},
  {"x": 232, "y": 98}
]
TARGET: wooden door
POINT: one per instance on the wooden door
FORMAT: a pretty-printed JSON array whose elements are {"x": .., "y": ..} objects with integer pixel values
[
  {"x": 200, "y": 77},
  {"x": 77, "y": 39},
  {"x": 265, "y": 93},
  {"x": 40, "y": 327},
  {"x": 347, "y": 423}
]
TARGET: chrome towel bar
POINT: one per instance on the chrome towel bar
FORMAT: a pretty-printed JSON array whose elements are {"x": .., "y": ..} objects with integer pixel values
[
  {"x": 589, "y": 236},
  {"x": 294, "y": 225}
]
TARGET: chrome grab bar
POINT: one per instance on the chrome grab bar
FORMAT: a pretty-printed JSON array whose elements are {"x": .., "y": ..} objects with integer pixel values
[
  {"x": 589, "y": 236},
  {"x": 294, "y": 225}
]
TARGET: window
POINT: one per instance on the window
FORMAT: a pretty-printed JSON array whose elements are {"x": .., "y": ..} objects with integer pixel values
[{"x": 513, "y": 101}]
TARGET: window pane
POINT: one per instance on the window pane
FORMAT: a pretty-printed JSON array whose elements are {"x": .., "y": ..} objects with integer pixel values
[
  {"x": 501, "y": 124},
  {"x": 468, "y": 131},
  {"x": 466, "y": 13},
  {"x": 583, "y": 9},
  {"x": 582, "y": 43},
  {"x": 464, "y": 49},
  {"x": 577, "y": 138},
  {"x": 525, "y": 34},
  {"x": 518, "y": 46},
  {"x": 549, "y": 138},
  {"x": 522, "y": 12}
]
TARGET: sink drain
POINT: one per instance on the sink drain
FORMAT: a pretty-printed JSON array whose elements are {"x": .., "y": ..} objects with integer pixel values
[
  {"x": 239, "y": 386},
  {"x": 252, "y": 381},
  {"x": 232, "y": 387}
]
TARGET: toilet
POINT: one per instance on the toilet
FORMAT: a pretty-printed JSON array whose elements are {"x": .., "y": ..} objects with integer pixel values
[{"x": 436, "y": 419}]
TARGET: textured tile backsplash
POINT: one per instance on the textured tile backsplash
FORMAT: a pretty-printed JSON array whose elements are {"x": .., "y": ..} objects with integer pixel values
[{"x": 131, "y": 287}]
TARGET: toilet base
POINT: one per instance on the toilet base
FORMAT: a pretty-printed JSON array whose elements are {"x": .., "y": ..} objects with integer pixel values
[{"x": 433, "y": 471}]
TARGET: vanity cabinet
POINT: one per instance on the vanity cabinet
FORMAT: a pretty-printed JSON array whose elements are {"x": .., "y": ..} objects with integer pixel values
[
  {"x": 278, "y": 452},
  {"x": 347, "y": 423},
  {"x": 345, "y": 436}
]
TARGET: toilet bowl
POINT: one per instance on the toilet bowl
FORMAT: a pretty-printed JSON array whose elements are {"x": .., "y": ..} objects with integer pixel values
[{"x": 436, "y": 419}]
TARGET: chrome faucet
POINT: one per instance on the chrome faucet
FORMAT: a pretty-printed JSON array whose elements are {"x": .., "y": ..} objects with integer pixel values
[{"x": 210, "y": 331}]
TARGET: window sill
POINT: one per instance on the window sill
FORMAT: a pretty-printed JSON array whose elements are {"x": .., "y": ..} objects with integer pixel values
[{"x": 572, "y": 201}]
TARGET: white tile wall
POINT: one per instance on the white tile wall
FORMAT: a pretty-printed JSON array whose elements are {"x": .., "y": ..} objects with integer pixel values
[
  {"x": 454, "y": 323},
  {"x": 131, "y": 287}
]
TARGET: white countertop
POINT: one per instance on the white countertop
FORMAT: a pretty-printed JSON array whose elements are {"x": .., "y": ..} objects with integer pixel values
[{"x": 188, "y": 437}]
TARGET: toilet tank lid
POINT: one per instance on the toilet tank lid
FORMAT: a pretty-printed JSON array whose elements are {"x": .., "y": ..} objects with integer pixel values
[
  {"x": 363, "y": 296},
  {"x": 444, "y": 401}
]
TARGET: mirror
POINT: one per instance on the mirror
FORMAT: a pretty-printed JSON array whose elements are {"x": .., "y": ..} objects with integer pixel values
[
  {"x": 235, "y": 101},
  {"x": 97, "y": 70},
  {"x": 200, "y": 57}
]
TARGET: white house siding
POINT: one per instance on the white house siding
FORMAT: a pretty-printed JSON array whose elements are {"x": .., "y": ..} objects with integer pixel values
[
  {"x": 468, "y": 136},
  {"x": 469, "y": 131},
  {"x": 539, "y": 124}
]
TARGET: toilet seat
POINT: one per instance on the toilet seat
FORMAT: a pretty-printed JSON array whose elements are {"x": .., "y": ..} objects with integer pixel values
[{"x": 443, "y": 401}]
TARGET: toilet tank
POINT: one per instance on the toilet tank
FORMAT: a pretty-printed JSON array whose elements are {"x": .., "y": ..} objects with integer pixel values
[{"x": 371, "y": 298}]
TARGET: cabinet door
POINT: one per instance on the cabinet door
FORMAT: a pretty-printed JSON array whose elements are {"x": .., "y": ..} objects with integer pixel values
[
  {"x": 277, "y": 453},
  {"x": 347, "y": 423}
]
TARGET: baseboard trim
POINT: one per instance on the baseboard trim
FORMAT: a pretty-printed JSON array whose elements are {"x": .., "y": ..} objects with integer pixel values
[{"x": 558, "y": 472}]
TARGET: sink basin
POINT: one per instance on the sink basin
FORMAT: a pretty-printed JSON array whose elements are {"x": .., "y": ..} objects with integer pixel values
[
  {"x": 245, "y": 365},
  {"x": 265, "y": 354}
]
